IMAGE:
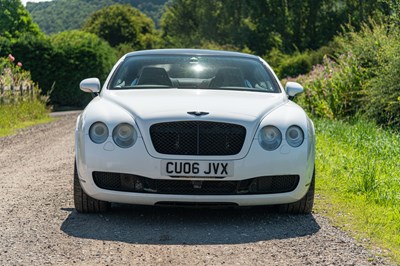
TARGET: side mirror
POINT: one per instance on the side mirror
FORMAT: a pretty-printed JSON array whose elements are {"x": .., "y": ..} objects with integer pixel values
[
  {"x": 293, "y": 88},
  {"x": 91, "y": 85}
]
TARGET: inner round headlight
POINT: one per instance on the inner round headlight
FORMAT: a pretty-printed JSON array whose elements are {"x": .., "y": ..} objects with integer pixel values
[
  {"x": 294, "y": 136},
  {"x": 98, "y": 132},
  {"x": 270, "y": 138},
  {"x": 124, "y": 135}
]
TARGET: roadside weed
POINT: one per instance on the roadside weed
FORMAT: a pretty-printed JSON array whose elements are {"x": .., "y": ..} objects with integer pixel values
[{"x": 20, "y": 115}]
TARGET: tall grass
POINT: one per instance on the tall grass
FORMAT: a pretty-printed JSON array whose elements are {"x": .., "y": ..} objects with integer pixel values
[
  {"x": 20, "y": 115},
  {"x": 358, "y": 178}
]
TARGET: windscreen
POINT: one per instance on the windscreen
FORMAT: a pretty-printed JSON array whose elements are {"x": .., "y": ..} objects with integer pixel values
[{"x": 188, "y": 72}]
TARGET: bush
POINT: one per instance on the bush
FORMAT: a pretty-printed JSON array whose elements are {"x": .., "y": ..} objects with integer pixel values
[
  {"x": 377, "y": 48},
  {"x": 59, "y": 63},
  {"x": 363, "y": 80},
  {"x": 333, "y": 89},
  {"x": 384, "y": 89},
  {"x": 77, "y": 55},
  {"x": 295, "y": 65}
]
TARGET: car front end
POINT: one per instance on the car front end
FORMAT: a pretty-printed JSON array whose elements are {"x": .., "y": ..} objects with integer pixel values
[{"x": 194, "y": 146}]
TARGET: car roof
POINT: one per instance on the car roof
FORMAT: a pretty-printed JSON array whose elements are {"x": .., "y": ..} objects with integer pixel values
[{"x": 199, "y": 52}]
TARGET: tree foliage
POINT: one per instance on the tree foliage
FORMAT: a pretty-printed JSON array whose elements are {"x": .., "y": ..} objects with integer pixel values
[
  {"x": 192, "y": 23},
  {"x": 122, "y": 24},
  {"x": 262, "y": 25},
  {"x": 61, "y": 15},
  {"x": 15, "y": 20}
]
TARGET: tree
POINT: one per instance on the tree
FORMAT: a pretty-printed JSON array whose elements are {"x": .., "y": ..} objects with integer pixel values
[
  {"x": 122, "y": 24},
  {"x": 197, "y": 23},
  {"x": 262, "y": 25},
  {"x": 61, "y": 15},
  {"x": 15, "y": 20}
]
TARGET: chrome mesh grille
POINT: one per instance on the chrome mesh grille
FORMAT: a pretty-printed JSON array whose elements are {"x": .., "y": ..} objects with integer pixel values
[{"x": 197, "y": 138}]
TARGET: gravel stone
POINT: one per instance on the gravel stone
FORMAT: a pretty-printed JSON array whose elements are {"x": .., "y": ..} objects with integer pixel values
[{"x": 39, "y": 225}]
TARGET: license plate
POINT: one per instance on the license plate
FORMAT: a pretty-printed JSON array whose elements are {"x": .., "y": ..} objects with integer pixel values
[{"x": 196, "y": 168}]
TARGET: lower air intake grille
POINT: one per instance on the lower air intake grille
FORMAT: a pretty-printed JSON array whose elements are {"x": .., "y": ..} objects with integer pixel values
[{"x": 140, "y": 184}]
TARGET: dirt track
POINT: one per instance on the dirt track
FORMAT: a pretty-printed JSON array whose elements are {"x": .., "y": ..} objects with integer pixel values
[{"x": 39, "y": 226}]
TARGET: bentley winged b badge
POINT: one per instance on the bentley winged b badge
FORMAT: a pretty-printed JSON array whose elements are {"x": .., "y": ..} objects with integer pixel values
[{"x": 198, "y": 113}]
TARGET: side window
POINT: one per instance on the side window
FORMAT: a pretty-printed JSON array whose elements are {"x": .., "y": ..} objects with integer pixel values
[
  {"x": 262, "y": 81},
  {"x": 119, "y": 80},
  {"x": 126, "y": 75}
]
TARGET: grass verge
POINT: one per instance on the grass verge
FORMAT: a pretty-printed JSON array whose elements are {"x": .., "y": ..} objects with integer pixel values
[
  {"x": 21, "y": 115},
  {"x": 358, "y": 181}
]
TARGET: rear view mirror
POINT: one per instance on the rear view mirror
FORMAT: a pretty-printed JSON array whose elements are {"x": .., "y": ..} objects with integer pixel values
[
  {"x": 293, "y": 88},
  {"x": 91, "y": 85}
]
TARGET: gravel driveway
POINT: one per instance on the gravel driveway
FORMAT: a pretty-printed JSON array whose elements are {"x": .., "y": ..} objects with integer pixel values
[{"x": 39, "y": 226}]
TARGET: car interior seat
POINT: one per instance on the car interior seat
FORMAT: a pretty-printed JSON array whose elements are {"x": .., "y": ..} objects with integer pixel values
[
  {"x": 228, "y": 77},
  {"x": 154, "y": 76}
]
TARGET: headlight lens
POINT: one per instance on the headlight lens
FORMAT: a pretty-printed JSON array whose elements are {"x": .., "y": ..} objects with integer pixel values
[
  {"x": 98, "y": 132},
  {"x": 124, "y": 135},
  {"x": 294, "y": 136},
  {"x": 270, "y": 138}
]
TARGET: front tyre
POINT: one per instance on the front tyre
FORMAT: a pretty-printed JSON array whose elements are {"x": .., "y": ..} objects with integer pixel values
[
  {"x": 83, "y": 202},
  {"x": 304, "y": 205}
]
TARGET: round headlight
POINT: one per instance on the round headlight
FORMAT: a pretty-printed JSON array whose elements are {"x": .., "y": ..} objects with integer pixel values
[
  {"x": 270, "y": 138},
  {"x": 98, "y": 132},
  {"x": 294, "y": 136},
  {"x": 124, "y": 135}
]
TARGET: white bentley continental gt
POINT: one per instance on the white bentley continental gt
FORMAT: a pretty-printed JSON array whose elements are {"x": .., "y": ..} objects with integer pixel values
[{"x": 193, "y": 127}]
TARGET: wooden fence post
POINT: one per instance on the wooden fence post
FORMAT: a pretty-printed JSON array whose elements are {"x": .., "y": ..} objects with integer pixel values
[
  {"x": 32, "y": 91},
  {"x": 1, "y": 94},
  {"x": 13, "y": 99}
]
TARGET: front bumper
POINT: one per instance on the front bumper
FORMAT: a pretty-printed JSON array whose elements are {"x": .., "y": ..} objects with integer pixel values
[{"x": 136, "y": 160}]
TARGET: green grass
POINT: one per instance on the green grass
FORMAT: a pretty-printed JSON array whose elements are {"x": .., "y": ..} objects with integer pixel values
[
  {"x": 21, "y": 115},
  {"x": 358, "y": 181}
]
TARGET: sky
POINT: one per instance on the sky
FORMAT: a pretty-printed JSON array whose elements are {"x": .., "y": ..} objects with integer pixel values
[{"x": 24, "y": 1}]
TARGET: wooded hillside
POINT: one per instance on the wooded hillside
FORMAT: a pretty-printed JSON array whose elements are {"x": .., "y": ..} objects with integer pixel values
[{"x": 61, "y": 15}]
